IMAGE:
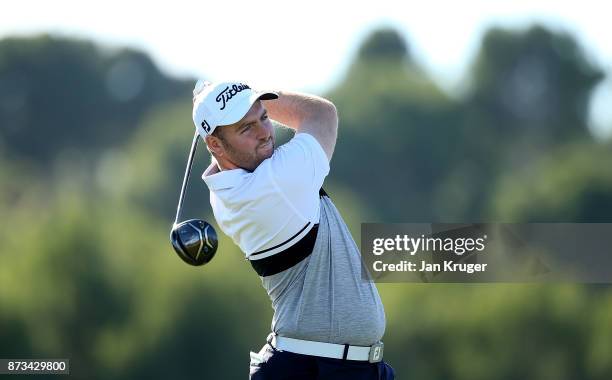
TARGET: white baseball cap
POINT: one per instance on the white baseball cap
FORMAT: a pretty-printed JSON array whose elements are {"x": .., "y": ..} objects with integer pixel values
[{"x": 223, "y": 103}]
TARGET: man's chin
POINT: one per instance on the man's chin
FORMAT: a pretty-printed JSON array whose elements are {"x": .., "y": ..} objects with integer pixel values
[{"x": 268, "y": 150}]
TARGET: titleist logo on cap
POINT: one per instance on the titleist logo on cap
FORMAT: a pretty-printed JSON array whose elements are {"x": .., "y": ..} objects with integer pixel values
[{"x": 228, "y": 93}]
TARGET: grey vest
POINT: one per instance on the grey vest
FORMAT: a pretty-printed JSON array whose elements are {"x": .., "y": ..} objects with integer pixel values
[{"x": 324, "y": 297}]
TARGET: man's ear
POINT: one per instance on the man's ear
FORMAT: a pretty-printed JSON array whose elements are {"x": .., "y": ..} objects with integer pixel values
[{"x": 215, "y": 145}]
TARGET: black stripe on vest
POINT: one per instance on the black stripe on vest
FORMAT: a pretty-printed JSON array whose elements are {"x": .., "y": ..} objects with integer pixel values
[
  {"x": 278, "y": 245},
  {"x": 291, "y": 256}
]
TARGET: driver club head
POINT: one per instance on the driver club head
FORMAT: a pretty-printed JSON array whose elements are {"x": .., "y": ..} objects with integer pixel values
[{"x": 195, "y": 241}]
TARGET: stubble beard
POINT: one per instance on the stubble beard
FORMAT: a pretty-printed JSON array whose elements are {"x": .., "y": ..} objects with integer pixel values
[{"x": 248, "y": 160}]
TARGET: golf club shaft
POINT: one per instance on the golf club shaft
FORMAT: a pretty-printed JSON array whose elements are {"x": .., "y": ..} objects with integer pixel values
[{"x": 194, "y": 145}]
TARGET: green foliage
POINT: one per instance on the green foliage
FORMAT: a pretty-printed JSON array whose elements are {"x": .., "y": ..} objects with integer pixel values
[
  {"x": 573, "y": 184},
  {"x": 58, "y": 94},
  {"x": 534, "y": 83},
  {"x": 402, "y": 125},
  {"x": 383, "y": 44},
  {"x": 495, "y": 331},
  {"x": 98, "y": 282}
]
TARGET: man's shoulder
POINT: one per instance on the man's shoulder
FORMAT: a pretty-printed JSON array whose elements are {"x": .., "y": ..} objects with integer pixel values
[
  {"x": 301, "y": 155},
  {"x": 304, "y": 140}
]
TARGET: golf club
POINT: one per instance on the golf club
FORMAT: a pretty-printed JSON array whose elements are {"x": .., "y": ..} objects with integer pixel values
[{"x": 194, "y": 240}]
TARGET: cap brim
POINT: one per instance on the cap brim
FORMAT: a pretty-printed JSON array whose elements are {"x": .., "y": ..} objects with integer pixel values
[{"x": 267, "y": 95}]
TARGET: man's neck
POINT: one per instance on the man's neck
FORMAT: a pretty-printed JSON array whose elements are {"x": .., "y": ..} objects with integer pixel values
[{"x": 217, "y": 166}]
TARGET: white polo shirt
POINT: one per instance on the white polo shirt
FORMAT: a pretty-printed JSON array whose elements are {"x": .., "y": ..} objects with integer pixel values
[{"x": 270, "y": 209}]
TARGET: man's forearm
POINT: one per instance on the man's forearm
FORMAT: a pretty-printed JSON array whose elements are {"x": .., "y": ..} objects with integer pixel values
[
  {"x": 307, "y": 113},
  {"x": 296, "y": 109}
]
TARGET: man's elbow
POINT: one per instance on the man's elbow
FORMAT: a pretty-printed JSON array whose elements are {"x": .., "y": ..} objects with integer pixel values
[{"x": 330, "y": 114}]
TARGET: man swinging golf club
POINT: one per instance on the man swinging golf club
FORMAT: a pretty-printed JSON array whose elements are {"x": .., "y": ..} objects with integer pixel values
[{"x": 328, "y": 322}]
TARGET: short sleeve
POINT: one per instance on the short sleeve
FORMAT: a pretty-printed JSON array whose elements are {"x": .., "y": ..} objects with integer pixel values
[{"x": 299, "y": 165}]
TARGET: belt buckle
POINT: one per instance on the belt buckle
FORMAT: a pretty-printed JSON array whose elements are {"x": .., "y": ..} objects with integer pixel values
[{"x": 376, "y": 352}]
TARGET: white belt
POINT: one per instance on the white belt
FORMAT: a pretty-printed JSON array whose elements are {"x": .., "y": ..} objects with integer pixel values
[{"x": 372, "y": 353}]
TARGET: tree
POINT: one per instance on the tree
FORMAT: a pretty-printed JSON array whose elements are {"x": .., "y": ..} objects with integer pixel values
[
  {"x": 573, "y": 184},
  {"x": 58, "y": 94},
  {"x": 397, "y": 130},
  {"x": 533, "y": 84}
]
